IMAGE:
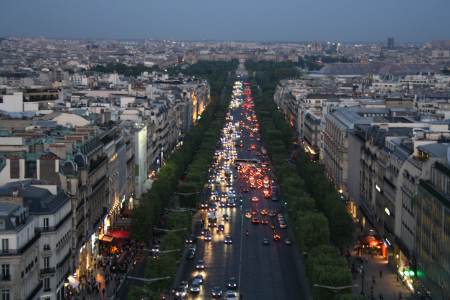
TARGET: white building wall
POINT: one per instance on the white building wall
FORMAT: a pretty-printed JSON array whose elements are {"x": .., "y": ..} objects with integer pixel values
[
  {"x": 12, "y": 103},
  {"x": 140, "y": 144},
  {"x": 31, "y": 106}
]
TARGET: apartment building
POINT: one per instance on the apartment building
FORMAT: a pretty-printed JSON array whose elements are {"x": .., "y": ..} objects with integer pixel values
[
  {"x": 19, "y": 256},
  {"x": 48, "y": 210},
  {"x": 432, "y": 211}
]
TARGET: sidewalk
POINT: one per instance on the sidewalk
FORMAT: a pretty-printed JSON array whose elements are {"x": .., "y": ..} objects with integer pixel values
[{"x": 376, "y": 280}]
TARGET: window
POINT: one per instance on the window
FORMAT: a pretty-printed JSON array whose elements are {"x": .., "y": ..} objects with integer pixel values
[
  {"x": 46, "y": 262},
  {"x": 5, "y": 294},
  {"x": 5, "y": 245},
  {"x": 45, "y": 223},
  {"x": 30, "y": 169},
  {"x": 46, "y": 284},
  {"x": 46, "y": 247},
  {"x": 5, "y": 272},
  {"x": 14, "y": 169}
]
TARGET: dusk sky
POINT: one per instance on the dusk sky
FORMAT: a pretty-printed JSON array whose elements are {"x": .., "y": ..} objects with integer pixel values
[{"x": 280, "y": 20}]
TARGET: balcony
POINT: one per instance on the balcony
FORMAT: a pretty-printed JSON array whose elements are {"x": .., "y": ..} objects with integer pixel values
[
  {"x": 57, "y": 226},
  {"x": 6, "y": 277},
  {"x": 14, "y": 252},
  {"x": 47, "y": 271}
]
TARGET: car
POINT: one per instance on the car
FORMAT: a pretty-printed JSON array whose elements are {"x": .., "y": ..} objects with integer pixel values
[
  {"x": 264, "y": 221},
  {"x": 255, "y": 199},
  {"x": 190, "y": 254},
  {"x": 266, "y": 242},
  {"x": 232, "y": 283},
  {"x": 283, "y": 225},
  {"x": 190, "y": 240},
  {"x": 155, "y": 249},
  {"x": 272, "y": 213},
  {"x": 222, "y": 205},
  {"x": 183, "y": 284},
  {"x": 288, "y": 242},
  {"x": 226, "y": 217},
  {"x": 200, "y": 265},
  {"x": 264, "y": 212},
  {"x": 212, "y": 207},
  {"x": 216, "y": 292},
  {"x": 255, "y": 221},
  {"x": 231, "y": 295},
  {"x": 220, "y": 228},
  {"x": 228, "y": 240},
  {"x": 248, "y": 215},
  {"x": 204, "y": 205},
  {"x": 276, "y": 237},
  {"x": 195, "y": 287},
  {"x": 208, "y": 237},
  {"x": 199, "y": 278},
  {"x": 254, "y": 212},
  {"x": 182, "y": 290}
]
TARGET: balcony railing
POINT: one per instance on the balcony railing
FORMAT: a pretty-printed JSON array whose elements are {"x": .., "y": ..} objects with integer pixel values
[
  {"x": 47, "y": 271},
  {"x": 13, "y": 252},
  {"x": 56, "y": 227},
  {"x": 6, "y": 277}
]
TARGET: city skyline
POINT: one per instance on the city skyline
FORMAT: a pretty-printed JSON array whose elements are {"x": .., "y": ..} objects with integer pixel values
[{"x": 202, "y": 20}]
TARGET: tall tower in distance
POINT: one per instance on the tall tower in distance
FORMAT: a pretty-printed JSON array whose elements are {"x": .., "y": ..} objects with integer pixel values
[{"x": 390, "y": 43}]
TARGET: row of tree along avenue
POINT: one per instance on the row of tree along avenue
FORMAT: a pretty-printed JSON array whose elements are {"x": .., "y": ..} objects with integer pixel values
[
  {"x": 183, "y": 174},
  {"x": 321, "y": 225}
]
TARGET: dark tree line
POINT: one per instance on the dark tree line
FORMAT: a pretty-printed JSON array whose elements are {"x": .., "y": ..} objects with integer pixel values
[{"x": 123, "y": 69}]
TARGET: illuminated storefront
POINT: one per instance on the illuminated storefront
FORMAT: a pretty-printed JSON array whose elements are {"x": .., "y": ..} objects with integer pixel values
[{"x": 403, "y": 268}]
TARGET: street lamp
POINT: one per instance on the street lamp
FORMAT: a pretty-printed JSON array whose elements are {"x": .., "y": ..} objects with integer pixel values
[{"x": 335, "y": 288}]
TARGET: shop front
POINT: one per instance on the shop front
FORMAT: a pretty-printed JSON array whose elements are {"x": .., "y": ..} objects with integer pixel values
[
  {"x": 404, "y": 267},
  {"x": 372, "y": 245}
]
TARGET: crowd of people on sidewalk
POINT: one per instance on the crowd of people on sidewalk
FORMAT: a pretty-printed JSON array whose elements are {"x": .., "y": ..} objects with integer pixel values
[{"x": 108, "y": 273}]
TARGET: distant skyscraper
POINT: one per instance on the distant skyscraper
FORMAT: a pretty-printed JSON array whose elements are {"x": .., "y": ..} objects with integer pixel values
[{"x": 390, "y": 43}]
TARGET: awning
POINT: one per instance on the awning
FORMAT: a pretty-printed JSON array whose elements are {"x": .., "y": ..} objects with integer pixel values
[{"x": 119, "y": 234}]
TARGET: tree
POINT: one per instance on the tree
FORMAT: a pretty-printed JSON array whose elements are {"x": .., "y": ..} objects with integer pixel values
[
  {"x": 326, "y": 267},
  {"x": 312, "y": 230}
]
